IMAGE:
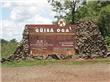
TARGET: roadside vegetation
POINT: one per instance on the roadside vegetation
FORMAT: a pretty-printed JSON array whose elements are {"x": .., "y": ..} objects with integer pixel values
[
  {"x": 107, "y": 41},
  {"x": 8, "y": 47},
  {"x": 54, "y": 62}
]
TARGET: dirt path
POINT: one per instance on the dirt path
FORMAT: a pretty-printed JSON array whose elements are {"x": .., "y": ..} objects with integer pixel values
[{"x": 58, "y": 73}]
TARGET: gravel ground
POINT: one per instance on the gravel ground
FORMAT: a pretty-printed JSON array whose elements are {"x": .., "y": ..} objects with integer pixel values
[{"x": 57, "y": 73}]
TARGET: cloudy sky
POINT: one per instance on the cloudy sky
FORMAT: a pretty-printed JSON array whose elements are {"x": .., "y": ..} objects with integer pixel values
[{"x": 15, "y": 14}]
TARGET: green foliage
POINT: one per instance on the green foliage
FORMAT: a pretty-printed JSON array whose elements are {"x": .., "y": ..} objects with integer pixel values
[
  {"x": 8, "y": 47},
  {"x": 65, "y": 9},
  {"x": 91, "y": 10},
  {"x": 107, "y": 41},
  {"x": 104, "y": 21},
  {"x": 54, "y": 62},
  {"x": 3, "y": 41},
  {"x": 29, "y": 63},
  {"x": 13, "y": 41}
]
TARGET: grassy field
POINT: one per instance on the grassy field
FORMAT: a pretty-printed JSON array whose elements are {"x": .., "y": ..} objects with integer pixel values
[
  {"x": 53, "y": 61},
  {"x": 8, "y": 48}
]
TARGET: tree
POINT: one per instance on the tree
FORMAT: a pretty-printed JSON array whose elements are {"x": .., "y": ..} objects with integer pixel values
[
  {"x": 3, "y": 41},
  {"x": 74, "y": 3},
  {"x": 107, "y": 41},
  {"x": 65, "y": 9},
  {"x": 104, "y": 21},
  {"x": 13, "y": 41},
  {"x": 89, "y": 11},
  {"x": 8, "y": 47}
]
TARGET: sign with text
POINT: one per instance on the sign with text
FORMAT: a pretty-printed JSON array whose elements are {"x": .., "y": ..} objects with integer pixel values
[{"x": 51, "y": 39}]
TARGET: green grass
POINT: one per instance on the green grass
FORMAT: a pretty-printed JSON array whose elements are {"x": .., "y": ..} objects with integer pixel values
[
  {"x": 7, "y": 49},
  {"x": 98, "y": 60},
  {"x": 28, "y": 63},
  {"x": 52, "y": 61}
]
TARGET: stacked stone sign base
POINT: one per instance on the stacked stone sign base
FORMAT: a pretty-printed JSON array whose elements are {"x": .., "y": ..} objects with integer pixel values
[{"x": 88, "y": 43}]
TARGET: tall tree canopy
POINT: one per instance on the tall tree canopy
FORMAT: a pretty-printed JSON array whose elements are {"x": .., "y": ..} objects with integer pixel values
[{"x": 65, "y": 9}]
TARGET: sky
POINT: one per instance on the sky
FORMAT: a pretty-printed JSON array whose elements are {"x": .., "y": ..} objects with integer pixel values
[{"x": 15, "y": 14}]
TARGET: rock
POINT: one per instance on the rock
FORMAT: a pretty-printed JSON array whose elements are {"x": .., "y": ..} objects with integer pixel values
[
  {"x": 108, "y": 54},
  {"x": 89, "y": 40}
]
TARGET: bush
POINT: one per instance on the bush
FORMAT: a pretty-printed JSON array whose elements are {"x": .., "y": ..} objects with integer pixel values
[
  {"x": 104, "y": 21},
  {"x": 107, "y": 41},
  {"x": 8, "y": 47}
]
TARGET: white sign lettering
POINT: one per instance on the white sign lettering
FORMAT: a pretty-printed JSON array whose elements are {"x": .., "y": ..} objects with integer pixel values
[{"x": 52, "y": 30}]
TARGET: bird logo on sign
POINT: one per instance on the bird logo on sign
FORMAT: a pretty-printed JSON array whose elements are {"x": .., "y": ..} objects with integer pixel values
[{"x": 61, "y": 23}]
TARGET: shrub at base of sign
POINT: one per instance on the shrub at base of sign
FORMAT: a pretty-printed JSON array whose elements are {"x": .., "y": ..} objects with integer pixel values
[{"x": 89, "y": 43}]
